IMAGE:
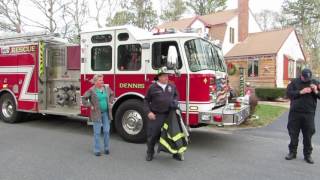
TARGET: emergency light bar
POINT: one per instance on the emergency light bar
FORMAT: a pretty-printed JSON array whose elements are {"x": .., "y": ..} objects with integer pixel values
[
  {"x": 158, "y": 31},
  {"x": 189, "y": 30}
]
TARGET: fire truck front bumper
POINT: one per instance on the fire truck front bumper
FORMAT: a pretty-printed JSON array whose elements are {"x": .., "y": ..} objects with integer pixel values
[{"x": 225, "y": 116}]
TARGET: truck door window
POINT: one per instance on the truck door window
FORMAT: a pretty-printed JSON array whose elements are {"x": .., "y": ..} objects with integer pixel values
[
  {"x": 102, "y": 38},
  {"x": 123, "y": 36},
  {"x": 160, "y": 52},
  {"x": 129, "y": 57},
  {"x": 101, "y": 58}
]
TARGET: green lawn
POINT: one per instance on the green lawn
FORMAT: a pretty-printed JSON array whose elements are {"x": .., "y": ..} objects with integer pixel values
[{"x": 266, "y": 114}]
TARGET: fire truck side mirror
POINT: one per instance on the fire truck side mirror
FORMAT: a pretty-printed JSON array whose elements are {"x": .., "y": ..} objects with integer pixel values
[{"x": 172, "y": 57}]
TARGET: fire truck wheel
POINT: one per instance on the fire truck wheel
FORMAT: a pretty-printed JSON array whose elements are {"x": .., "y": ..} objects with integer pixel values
[
  {"x": 9, "y": 111},
  {"x": 130, "y": 121}
]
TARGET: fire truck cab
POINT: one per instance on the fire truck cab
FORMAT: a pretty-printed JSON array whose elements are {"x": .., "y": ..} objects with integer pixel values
[{"x": 45, "y": 74}]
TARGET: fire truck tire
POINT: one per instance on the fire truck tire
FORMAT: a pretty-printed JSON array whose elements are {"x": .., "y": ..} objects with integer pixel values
[
  {"x": 8, "y": 111},
  {"x": 130, "y": 121}
]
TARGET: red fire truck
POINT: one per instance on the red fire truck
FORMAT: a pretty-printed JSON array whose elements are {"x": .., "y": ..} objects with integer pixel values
[{"x": 41, "y": 73}]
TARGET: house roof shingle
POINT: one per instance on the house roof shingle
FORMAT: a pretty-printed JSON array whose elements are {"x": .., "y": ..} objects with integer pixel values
[
  {"x": 180, "y": 24},
  {"x": 209, "y": 20},
  {"x": 219, "y": 17},
  {"x": 260, "y": 43}
]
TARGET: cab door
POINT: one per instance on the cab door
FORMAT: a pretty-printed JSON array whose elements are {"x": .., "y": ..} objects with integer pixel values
[
  {"x": 98, "y": 58},
  {"x": 130, "y": 59},
  {"x": 159, "y": 53}
]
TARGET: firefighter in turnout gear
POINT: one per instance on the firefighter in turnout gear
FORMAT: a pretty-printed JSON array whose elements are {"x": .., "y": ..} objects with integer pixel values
[
  {"x": 303, "y": 93},
  {"x": 160, "y": 98}
]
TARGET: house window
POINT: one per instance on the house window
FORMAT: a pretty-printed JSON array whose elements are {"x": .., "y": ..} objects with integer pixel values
[
  {"x": 231, "y": 35},
  {"x": 129, "y": 57},
  {"x": 299, "y": 67},
  {"x": 101, "y": 58},
  {"x": 253, "y": 67},
  {"x": 291, "y": 69}
]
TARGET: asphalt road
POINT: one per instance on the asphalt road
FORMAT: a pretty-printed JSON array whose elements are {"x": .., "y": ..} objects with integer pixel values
[{"x": 58, "y": 149}]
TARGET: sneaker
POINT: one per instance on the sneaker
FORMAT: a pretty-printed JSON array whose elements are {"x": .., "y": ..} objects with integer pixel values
[
  {"x": 97, "y": 154},
  {"x": 107, "y": 152}
]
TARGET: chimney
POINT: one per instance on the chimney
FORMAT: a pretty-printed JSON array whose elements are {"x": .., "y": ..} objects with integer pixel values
[{"x": 243, "y": 8}]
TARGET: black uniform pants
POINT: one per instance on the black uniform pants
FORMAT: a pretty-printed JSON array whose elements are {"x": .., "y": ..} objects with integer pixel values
[
  {"x": 304, "y": 122},
  {"x": 154, "y": 131}
]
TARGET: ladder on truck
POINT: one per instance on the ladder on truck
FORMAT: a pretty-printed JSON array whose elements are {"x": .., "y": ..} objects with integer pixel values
[{"x": 31, "y": 37}]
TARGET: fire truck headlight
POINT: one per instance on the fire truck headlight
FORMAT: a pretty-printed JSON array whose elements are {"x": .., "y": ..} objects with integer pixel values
[{"x": 206, "y": 117}]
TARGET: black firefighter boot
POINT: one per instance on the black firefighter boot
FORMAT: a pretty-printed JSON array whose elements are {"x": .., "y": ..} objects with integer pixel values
[
  {"x": 291, "y": 156},
  {"x": 149, "y": 156},
  {"x": 179, "y": 157},
  {"x": 308, "y": 159}
]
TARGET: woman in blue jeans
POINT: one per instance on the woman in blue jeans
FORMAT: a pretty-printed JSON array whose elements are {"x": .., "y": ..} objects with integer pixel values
[{"x": 100, "y": 97}]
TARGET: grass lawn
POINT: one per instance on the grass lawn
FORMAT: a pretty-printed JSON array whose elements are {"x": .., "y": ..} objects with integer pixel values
[{"x": 266, "y": 115}]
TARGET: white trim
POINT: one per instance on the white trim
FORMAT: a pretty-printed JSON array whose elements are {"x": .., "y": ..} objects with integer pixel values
[
  {"x": 28, "y": 71},
  {"x": 128, "y": 94},
  {"x": 196, "y": 102},
  {"x": 200, "y": 107}
]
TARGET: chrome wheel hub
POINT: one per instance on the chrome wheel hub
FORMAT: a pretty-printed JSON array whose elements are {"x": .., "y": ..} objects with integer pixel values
[
  {"x": 7, "y": 109},
  {"x": 132, "y": 122}
]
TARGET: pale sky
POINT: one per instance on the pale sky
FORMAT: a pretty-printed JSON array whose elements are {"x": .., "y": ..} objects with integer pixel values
[
  {"x": 255, "y": 5},
  {"x": 258, "y": 5}
]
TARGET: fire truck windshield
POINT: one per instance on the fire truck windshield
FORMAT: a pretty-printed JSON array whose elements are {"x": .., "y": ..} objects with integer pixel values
[{"x": 202, "y": 55}]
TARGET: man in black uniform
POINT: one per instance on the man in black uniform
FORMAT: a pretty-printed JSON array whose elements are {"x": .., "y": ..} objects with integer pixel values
[
  {"x": 303, "y": 93},
  {"x": 160, "y": 97}
]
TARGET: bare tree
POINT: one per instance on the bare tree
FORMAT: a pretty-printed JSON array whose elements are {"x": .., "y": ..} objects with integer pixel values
[
  {"x": 112, "y": 6},
  {"x": 99, "y": 6},
  {"x": 50, "y": 9},
  {"x": 66, "y": 29},
  {"x": 268, "y": 19},
  {"x": 104, "y": 10},
  {"x": 10, "y": 13},
  {"x": 74, "y": 15}
]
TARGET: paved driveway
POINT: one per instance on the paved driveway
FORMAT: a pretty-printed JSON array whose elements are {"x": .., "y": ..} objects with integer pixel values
[{"x": 58, "y": 149}]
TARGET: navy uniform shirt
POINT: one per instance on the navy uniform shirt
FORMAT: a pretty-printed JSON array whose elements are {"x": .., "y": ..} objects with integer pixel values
[
  {"x": 158, "y": 100},
  {"x": 306, "y": 103}
]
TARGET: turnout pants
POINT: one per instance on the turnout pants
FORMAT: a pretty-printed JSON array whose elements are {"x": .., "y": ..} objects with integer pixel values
[
  {"x": 304, "y": 122},
  {"x": 154, "y": 131}
]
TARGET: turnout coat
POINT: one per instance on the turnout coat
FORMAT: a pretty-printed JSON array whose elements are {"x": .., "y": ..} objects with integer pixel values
[{"x": 174, "y": 134}]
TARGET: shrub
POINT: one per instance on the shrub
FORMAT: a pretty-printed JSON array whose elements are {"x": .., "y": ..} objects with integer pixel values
[{"x": 270, "y": 94}]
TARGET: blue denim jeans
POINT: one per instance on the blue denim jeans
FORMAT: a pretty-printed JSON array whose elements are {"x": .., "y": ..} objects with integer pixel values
[{"x": 97, "y": 132}]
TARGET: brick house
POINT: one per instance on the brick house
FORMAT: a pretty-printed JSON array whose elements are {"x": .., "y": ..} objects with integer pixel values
[{"x": 269, "y": 59}]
